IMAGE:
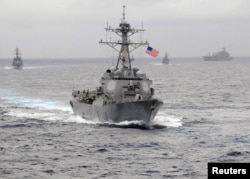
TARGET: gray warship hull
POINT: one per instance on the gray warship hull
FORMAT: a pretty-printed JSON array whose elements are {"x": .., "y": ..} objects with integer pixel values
[
  {"x": 212, "y": 58},
  {"x": 222, "y": 55},
  {"x": 17, "y": 66},
  {"x": 165, "y": 60},
  {"x": 142, "y": 111},
  {"x": 17, "y": 62}
]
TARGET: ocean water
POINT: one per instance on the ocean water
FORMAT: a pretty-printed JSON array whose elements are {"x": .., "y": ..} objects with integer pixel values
[{"x": 205, "y": 118}]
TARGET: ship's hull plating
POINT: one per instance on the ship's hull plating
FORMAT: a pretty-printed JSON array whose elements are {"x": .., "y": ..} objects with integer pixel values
[
  {"x": 211, "y": 58},
  {"x": 118, "y": 112},
  {"x": 18, "y": 67}
]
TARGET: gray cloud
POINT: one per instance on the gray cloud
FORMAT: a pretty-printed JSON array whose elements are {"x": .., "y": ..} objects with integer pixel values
[{"x": 72, "y": 28}]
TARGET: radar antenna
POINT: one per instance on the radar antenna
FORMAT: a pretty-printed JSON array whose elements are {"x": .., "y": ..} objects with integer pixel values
[{"x": 124, "y": 31}]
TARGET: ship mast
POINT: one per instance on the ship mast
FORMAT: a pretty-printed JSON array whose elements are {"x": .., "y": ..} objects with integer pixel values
[
  {"x": 17, "y": 52},
  {"x": 124, "y": 31}
]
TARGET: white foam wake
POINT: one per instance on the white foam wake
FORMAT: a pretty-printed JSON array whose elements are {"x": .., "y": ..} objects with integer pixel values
[
  {"x": 164, "y": 119},
  {"x": 7, "y": 67},
  {"x": 44, "y": 109},
  {"x": 26, "y": 67}
]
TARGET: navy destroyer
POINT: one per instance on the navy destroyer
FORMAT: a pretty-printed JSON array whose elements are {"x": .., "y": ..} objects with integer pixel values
[
  {"x": 222, "y": 55},
  {"x": 17, "y": 62},
  {"x": 165, "y": 59},
  {"x": 125, "y": 93}
]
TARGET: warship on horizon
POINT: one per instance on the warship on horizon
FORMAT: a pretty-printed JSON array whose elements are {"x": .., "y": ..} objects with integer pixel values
[
  {"x": 125, "y": 93},
  {"x": 17, "y": 62},
  {"x": 165, "y": 59},
  {"x": 218, "y": 56}
]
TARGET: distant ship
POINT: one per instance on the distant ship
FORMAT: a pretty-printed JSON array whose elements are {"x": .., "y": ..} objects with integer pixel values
[
  {"x": 125, "y": 93},
  {"x": 222, "y": 55},
  {"x": 165, "y": 59},
  {"x": 17, "y": 62}
]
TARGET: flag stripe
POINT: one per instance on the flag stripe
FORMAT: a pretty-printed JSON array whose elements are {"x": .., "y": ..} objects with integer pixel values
[{"x": 152, "y": 52}]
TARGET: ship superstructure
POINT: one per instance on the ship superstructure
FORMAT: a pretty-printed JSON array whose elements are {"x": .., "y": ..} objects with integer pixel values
[{"x": 125, "y": 93}]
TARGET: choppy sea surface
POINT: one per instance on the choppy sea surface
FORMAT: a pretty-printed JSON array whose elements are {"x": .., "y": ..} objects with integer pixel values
[{"x": 205, "y": 118}]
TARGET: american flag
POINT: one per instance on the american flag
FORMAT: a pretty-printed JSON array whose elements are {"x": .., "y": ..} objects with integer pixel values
[{"x": 152, "y": 52}]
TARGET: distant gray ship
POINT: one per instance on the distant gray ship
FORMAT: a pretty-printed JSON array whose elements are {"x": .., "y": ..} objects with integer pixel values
[
  {"x": 125, "y": 93},
  {"x": 165, "y": 59},
  {"x": 17, "y": 62},
  {"x": 218, "y": 56}
]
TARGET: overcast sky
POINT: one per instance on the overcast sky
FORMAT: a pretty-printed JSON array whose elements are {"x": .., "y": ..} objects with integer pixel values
[{"x": 73, "y": 28}]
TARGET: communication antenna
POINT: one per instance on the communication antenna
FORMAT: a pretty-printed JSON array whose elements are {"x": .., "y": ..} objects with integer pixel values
[
  {"x": 107, "y": 31},
  {"x": 126, "y": 46}
]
